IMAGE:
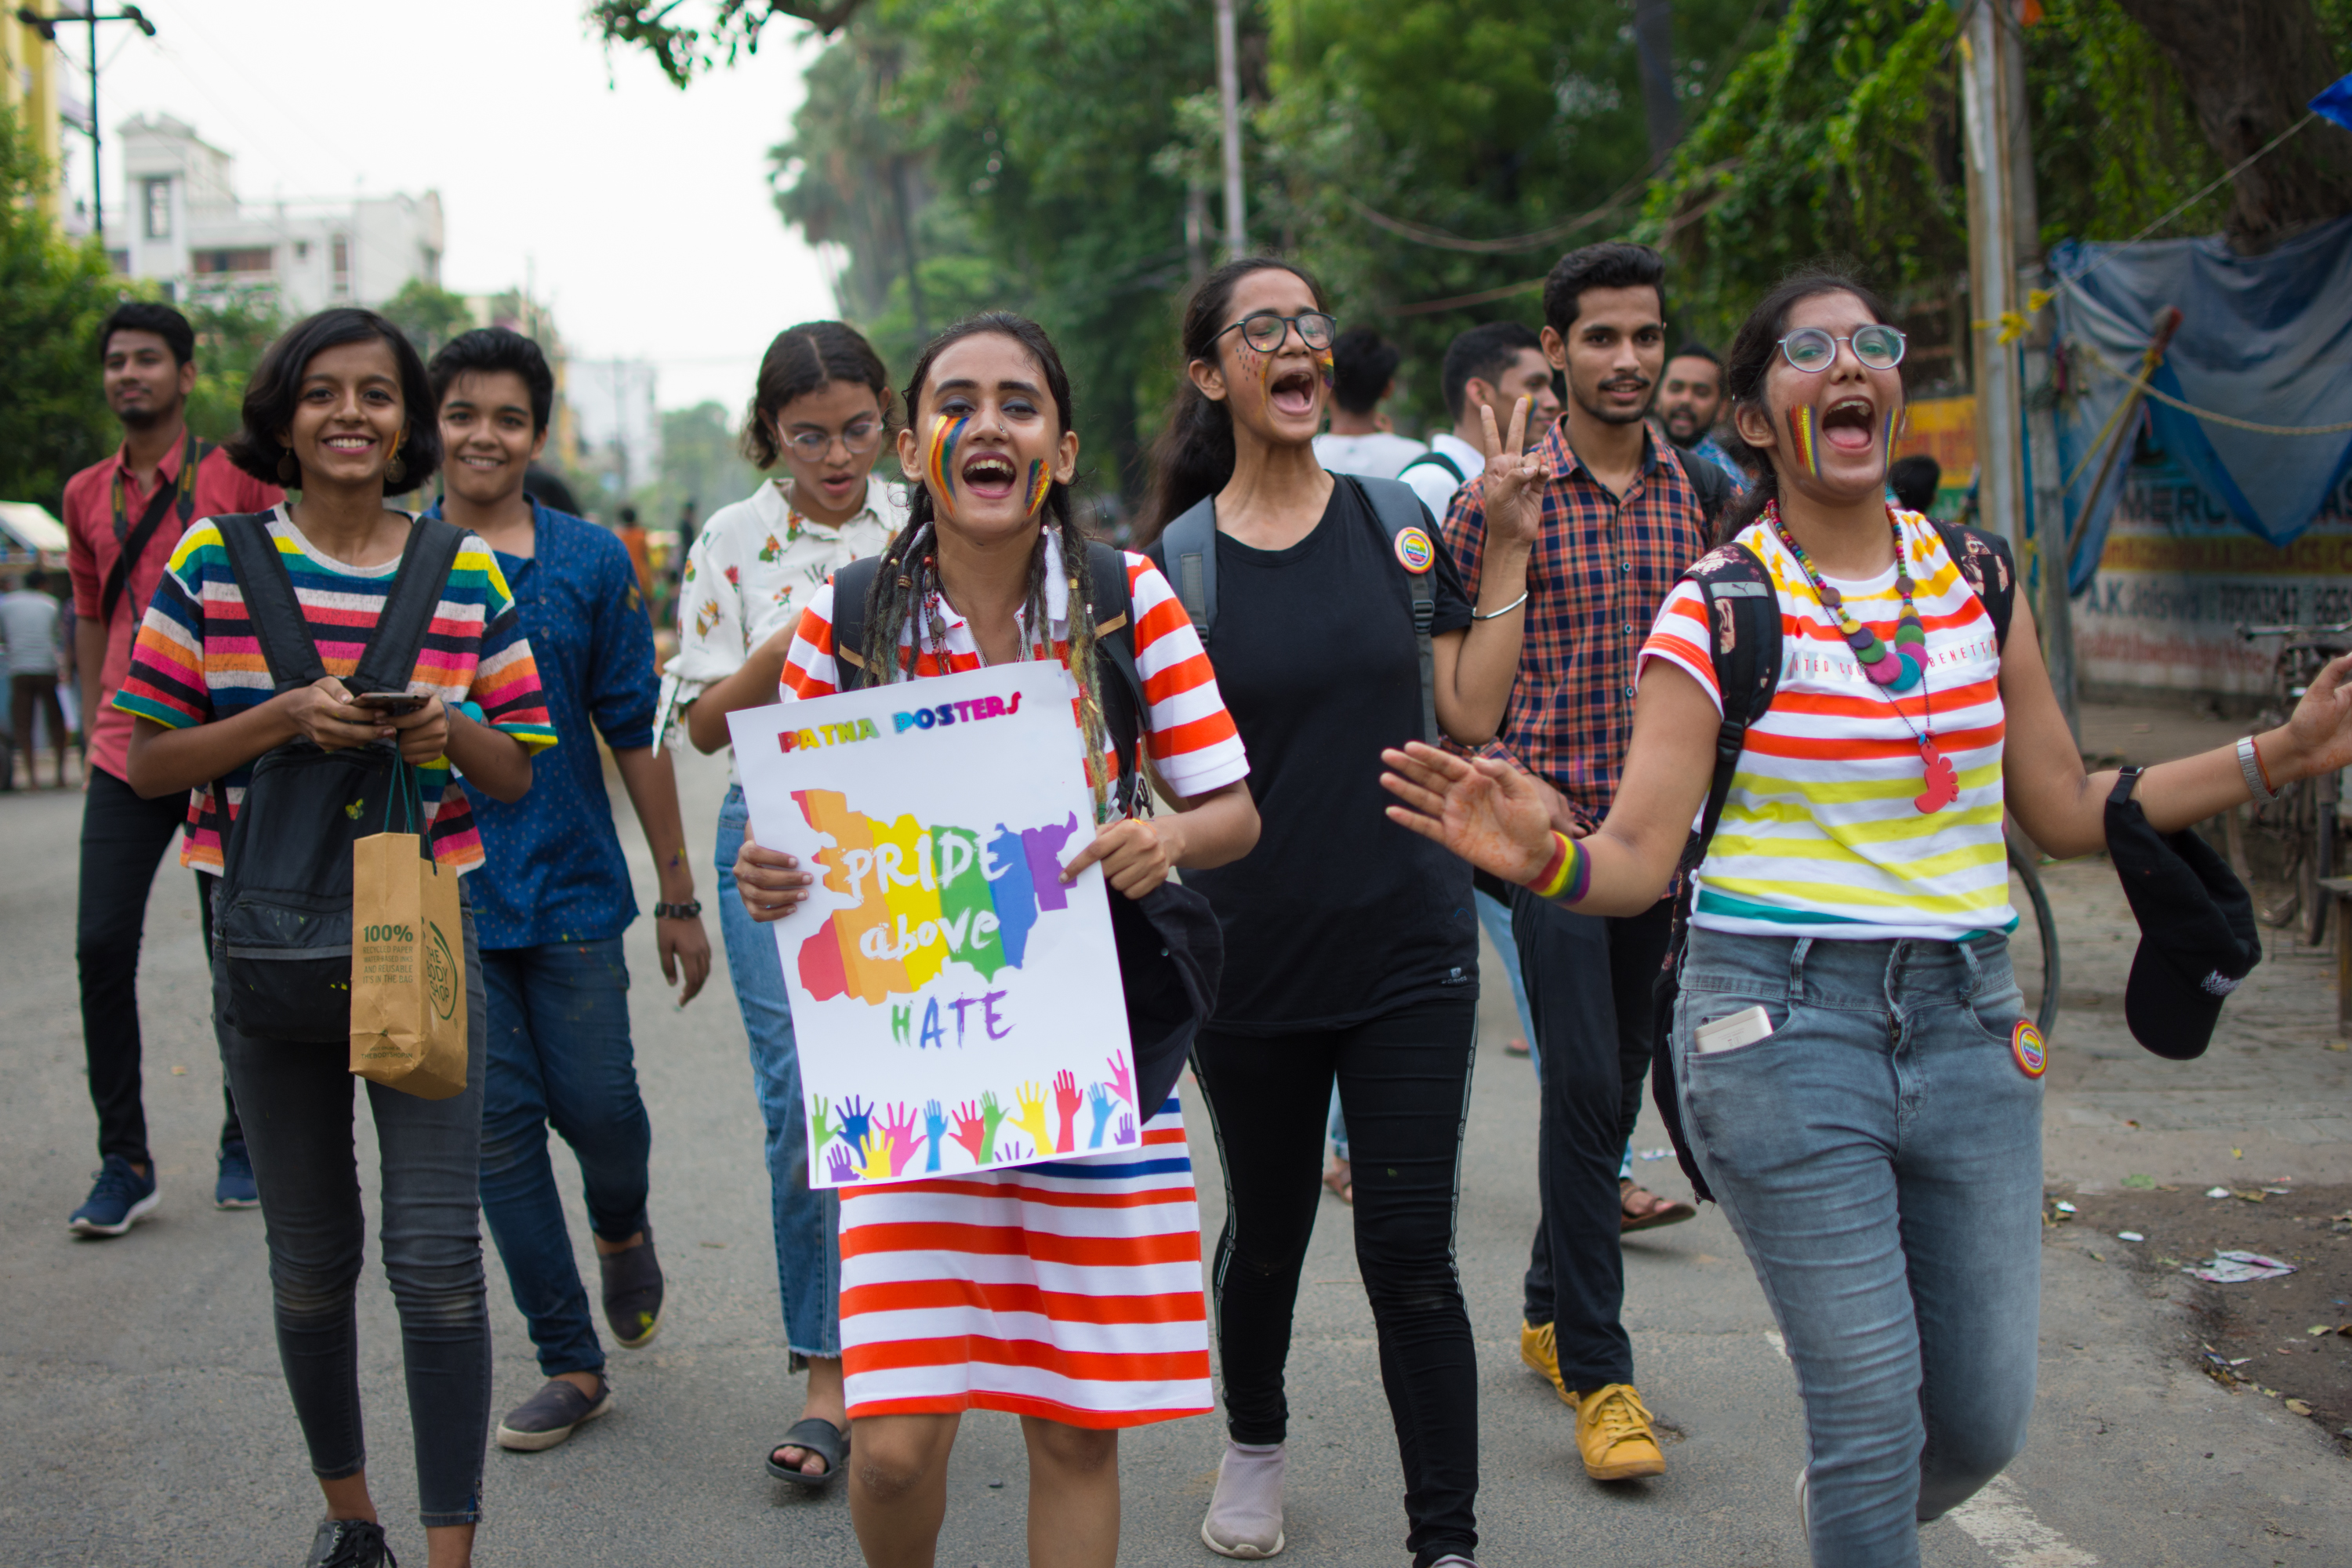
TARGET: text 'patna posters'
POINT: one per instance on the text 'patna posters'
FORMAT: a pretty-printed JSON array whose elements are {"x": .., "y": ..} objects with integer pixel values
[{"x": 955, "y": 1006}]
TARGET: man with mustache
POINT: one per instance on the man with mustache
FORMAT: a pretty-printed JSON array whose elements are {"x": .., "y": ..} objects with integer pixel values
[
  {"x": 123, "y": 515},
  {"x": 1688, "y": 403},
  {"x": 1623, "y": 513}
]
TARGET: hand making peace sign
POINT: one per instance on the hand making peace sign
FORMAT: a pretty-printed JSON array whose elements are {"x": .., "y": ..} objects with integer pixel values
[{"x": 1513, "y": 480}]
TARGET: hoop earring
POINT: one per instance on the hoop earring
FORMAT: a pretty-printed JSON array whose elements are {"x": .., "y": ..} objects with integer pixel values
[{"x": 289, "y": 472}]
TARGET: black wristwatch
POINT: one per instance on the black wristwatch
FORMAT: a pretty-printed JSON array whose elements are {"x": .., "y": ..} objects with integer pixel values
[{"x": 687, "y": 912}]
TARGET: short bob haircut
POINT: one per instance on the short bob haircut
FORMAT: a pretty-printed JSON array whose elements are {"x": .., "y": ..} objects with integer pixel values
[
  {"x": 488, "y": 349},
  {"x": 271, "y": 396},
  {"x": 805, "y": 359}
]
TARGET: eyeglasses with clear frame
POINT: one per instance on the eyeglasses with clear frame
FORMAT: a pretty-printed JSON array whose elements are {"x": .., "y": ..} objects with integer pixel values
[
  {"x": 1266, "y": 329},
  {"x": 859, "y": 436},
  {"x": 1813, "y": 351}
]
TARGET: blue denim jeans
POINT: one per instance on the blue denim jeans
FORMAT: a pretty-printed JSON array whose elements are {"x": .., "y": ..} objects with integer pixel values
[
  {"x": 1879, "y": 1155},
  {"x": 808, "y": 1224},
  {"x": 561, "y": 1057},
  {"x": 296, "y": 1104}
]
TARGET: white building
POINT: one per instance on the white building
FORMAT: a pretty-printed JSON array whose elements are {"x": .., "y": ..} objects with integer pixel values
[
  {"x": 615, "y": 420},
  {"x": 186, "y": 228}
]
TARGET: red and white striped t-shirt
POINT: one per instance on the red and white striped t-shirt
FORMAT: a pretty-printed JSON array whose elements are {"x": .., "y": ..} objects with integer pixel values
[{"x": 1191, "y": 737}]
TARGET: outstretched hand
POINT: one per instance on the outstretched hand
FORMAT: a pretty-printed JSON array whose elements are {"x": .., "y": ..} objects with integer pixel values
[
  {"x": 1489, "y": 813},
  {"x": 2320, "y": 730}
]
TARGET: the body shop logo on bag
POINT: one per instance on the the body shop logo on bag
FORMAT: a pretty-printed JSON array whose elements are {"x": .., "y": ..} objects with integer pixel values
[{"x": 440, "y": 972}]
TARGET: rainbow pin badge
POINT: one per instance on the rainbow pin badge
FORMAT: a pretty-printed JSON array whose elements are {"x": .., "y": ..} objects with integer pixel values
[
  {"x": 2026, "y": 1045},
  {"x": 1414, "y": 552}
]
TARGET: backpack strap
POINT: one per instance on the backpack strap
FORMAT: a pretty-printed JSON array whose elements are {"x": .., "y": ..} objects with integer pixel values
[
  {"x": 1988, "y": 568},
  {"x": 180, "y": 497},
  {"x": 1187, "y": 553},
  {"x": 1743, "y": 613},
  {"x": 1434, "y": 459},
  {"x": 1396, "y": 506},
  {"x": 851, "y": 584},
  {"x": 267, "y": 589},
  {"x": 389, "y": 662},
  {"x": 1713, "y": 485}
]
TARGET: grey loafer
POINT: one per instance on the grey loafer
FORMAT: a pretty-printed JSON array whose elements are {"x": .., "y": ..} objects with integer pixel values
[{"x": 551, "y": 1415}]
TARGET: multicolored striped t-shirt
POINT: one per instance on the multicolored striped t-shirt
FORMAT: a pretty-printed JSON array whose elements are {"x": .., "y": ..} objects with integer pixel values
[
  {"x": 1820, "y": 837},
  {"x": 197, "y": 659}
]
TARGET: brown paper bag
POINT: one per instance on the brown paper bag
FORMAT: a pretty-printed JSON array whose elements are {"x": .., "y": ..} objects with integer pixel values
[{"x": 408, "y": 969}]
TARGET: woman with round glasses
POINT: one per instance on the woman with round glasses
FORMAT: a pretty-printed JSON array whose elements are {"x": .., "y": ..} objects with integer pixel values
[
  {"x": 1351, "y": 950},
  {"x": 822, "y": 408},
  {"x": 1854, "y": 1068}
]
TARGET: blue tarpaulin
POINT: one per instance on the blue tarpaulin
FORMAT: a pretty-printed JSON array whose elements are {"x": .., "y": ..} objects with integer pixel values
[{"x": 2265, "y": 339}]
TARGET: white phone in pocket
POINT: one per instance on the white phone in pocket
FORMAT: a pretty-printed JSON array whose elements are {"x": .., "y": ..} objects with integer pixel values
[{"x": 1742, "y": 1028}]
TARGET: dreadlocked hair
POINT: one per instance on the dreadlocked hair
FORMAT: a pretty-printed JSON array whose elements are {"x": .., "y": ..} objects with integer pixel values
[
  {"x": 1749, "y": 362},
  {"x": 907, "y": 592}
]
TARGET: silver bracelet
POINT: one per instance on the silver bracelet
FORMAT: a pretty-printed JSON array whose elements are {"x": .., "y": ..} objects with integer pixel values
[
  {"x": 2251, "y": 766},
  {"x": 1506, "y": 610}
]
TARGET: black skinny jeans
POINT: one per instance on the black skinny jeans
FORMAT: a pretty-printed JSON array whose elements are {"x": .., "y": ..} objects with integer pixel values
[
  {"x": 1404, "y": 1087},
  {"x": 122, "y": 839},
  {"x": 297, "y": 1100},
  {"x": 1589, "y": 979}
]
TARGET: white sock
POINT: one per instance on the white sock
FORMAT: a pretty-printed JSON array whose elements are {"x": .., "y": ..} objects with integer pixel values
[{"x": 1246, "y": 1516}]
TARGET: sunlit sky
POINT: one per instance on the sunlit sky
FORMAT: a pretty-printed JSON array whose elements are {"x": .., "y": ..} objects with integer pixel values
[{"x": 642, "y": 214}]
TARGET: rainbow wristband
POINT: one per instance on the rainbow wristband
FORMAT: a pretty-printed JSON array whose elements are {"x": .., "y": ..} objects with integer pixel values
[{"x": 1567, "y": 875}]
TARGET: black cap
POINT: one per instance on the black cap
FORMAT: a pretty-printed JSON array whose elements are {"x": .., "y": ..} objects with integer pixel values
[{"x": 2197, "y": 936}]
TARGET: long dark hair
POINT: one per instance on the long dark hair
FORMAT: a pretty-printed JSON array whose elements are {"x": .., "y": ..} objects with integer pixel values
[
  {"x": 276, "y": 387},
  {"x": 1750, "y": 361},
  {"x": 908, "y": 584},
  {"x": 802, "y": 360},
  {"x": 1194, "y": 455}
]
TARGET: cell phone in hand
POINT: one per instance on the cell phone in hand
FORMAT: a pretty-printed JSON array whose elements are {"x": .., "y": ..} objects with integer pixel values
[{"x": 393, "y": 702}]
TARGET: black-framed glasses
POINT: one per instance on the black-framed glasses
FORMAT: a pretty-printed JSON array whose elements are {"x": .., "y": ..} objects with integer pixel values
[
  {"x": 857, "y": 438},
  {"x": 1266, "y": 329},
  {"x": 1813, "y": 351}
]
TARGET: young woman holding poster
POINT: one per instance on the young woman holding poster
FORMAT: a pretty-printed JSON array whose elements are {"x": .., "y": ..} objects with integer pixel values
[
  {"x": 967, "y": 1294},
  {"x": 1351, "y": 950},
  {"x": 822, "y": 409},
  {"x": 1853, "y": 1069}
]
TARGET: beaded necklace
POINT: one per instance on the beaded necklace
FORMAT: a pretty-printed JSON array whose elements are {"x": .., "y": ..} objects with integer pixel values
[{"x": 1893, "y": 670}]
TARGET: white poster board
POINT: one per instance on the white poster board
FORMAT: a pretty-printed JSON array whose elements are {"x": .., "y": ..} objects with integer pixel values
[{"x": 954, "y": 1005}]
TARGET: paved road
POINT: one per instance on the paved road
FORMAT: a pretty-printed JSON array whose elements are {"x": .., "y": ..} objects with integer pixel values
[{"x": 145, "y": 1421}]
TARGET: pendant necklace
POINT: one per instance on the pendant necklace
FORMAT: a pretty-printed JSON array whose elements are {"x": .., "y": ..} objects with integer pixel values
[{"x": 1893, "y": 670}]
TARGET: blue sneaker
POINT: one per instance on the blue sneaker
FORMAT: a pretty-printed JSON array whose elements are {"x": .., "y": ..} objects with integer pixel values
[
  {"x": 122, "y": 1198},
  {"x": 234, "y": 1190}
]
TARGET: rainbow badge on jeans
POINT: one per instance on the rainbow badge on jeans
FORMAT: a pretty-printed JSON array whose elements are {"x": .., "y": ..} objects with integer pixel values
[{"x": 2025, "y": 1045}]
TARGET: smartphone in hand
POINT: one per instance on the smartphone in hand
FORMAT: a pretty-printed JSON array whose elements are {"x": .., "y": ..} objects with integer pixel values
[{"x": 396, "y": 704}]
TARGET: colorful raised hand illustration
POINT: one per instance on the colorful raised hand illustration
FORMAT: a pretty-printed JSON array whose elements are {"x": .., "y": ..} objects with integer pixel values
[
  {"x": 935, "y": 1130},
  {"x": 1098, "y": 1101},
  {"x": 821, "y": 1130},
  {"x": 993, "y": 1115},
  {"x": 1010, "y": 1151},
  {"x": 1126, "y": 1129},
  {"x": 898, "y": 1127},
  {"x": 1122, "y": 1082},
  {"x": 841, "y": 1163},
  {"x": 873, "y": 1156},
  {"x": 856, "y": 1116},
  {"x": 973, "y": 1132},
  {"x": 1067, "y": 1101},
  {"x": 1032, "y": 1118}
]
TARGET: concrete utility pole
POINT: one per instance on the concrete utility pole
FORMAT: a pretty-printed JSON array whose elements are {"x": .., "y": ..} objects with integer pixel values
[
  {"x": 1229, "y": 92},
  {"x": 1654, "y": 45},
  {"x": 47, "y": 27}
]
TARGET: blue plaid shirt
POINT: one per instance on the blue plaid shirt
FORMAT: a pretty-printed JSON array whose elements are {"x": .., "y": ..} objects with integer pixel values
[{"x": 555, "y": 872}]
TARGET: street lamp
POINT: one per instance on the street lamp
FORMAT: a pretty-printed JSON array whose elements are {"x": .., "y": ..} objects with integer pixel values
[{"x": 47, "y": 27}]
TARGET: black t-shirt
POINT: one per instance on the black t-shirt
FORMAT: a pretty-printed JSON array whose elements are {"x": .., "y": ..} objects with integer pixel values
[{"x": 1338, "y": 914}]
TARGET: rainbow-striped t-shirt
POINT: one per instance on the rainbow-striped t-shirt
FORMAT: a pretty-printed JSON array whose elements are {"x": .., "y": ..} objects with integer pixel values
[
  {"x": 1819, "y": 836},
  {"x": 197, "y": 659}
]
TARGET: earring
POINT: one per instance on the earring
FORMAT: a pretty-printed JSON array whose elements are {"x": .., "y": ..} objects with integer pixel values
[
  {"x": 289, "y": 472},
  {"x": 394, "y": 475}
]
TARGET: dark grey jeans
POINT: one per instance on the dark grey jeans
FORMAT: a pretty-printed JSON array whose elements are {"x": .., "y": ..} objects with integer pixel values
[{"x": 296, "y": 1104}]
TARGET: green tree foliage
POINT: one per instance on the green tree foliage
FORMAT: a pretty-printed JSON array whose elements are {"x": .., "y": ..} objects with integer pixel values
[
  {"x": 54, "y": 292},
  {"x": 234, "y": 326},
  {"x": 701, "y": 464},
  {"x": 430, "y": 314}
]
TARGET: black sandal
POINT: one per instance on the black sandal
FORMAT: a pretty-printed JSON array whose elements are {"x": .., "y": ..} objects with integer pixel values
[{"x": 816, "y": 1435}]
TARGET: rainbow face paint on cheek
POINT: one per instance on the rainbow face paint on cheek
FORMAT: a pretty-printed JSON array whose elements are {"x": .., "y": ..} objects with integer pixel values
[
  {"x": 945, "y": 437},
  {"x": 1323, "y": 365},
  {"x": 1808, "y": 451},
  {"x": 1041, "y": 480}
]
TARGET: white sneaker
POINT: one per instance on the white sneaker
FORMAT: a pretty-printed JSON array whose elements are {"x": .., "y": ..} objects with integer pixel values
[{"x": 1245, "y": 1518}]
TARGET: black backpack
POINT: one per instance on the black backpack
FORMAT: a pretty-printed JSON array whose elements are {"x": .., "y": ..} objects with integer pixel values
[
  {"x": 282, "y": 912},
  {"x": 1743, "y": 614},
  {"x": 1172, "y": 952}
]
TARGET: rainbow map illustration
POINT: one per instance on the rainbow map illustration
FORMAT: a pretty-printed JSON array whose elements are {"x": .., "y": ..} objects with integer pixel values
[{"x": 926, "y": 896}]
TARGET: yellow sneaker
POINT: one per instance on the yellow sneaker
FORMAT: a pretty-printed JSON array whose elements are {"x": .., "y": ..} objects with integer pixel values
[
  {"x": 1540, "y": 1347},
  {"x": 1614, "y": 1433}
]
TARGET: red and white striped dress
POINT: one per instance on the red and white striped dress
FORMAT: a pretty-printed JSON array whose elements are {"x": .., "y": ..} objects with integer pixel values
[{"x": 1069, "y": 1290}]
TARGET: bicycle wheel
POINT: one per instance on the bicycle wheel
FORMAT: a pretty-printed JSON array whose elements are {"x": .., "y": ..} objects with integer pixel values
[{"x": 2033, "y": 946}]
